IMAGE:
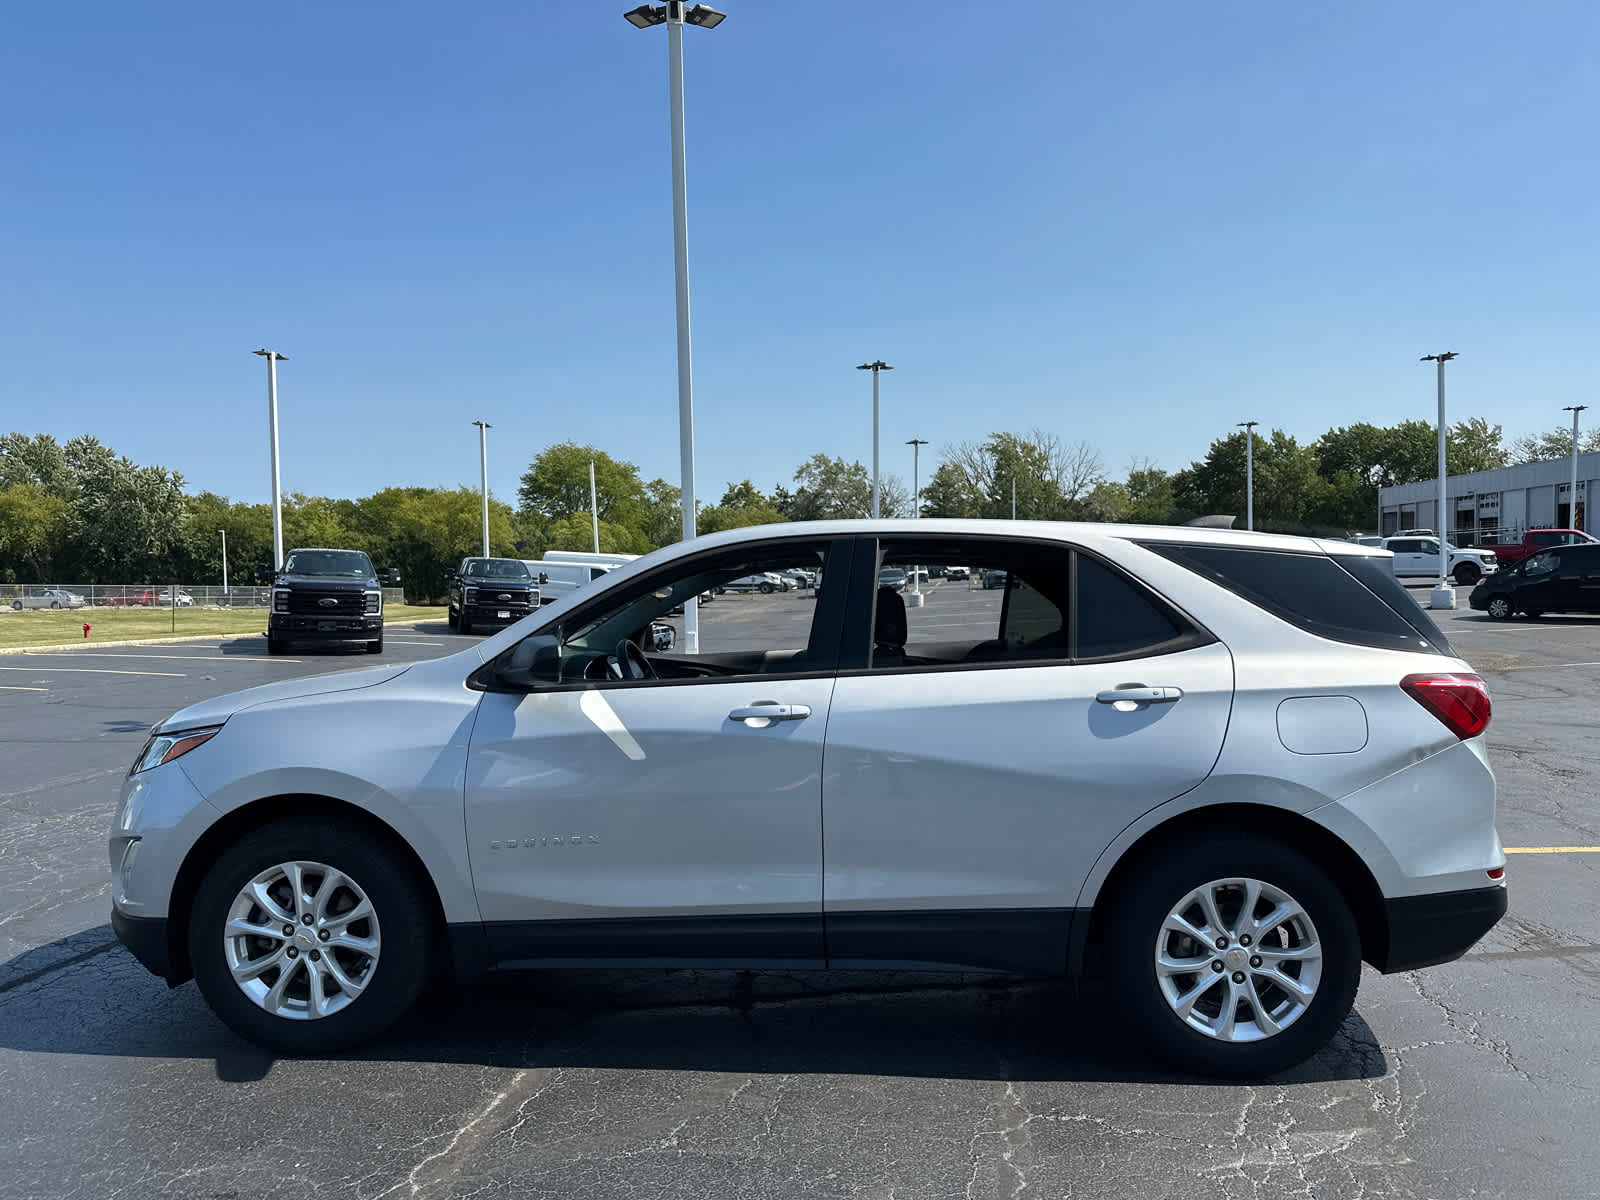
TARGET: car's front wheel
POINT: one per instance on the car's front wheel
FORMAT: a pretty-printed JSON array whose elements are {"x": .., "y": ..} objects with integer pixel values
[
  {"x": 1499, "y": 608},
  {"x": 309, "y": 936},
  {"x": 16, "y": 606},
  {"x": 1233, "y": 955},
  {"x": 1466, "y": 574}
]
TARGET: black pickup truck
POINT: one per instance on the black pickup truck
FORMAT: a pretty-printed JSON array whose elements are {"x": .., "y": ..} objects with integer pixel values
[
  {"x": 490, "y": 593},
  {"x": 327, "y": 596}
]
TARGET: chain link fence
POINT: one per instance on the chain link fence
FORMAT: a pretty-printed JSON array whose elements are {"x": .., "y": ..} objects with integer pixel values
[{"x": 136, "y": 595}]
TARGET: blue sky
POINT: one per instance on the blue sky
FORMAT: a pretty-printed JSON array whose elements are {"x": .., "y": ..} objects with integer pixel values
[{"x": 1132, "y": 225}]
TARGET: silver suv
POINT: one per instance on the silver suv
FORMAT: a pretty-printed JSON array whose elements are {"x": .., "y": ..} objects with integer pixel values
[{"x": 1220, "y": 768}]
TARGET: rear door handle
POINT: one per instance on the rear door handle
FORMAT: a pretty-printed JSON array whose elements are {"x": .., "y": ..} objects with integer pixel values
[
  {"x": 771, "y": 710},
  {"x": 1141, "y": 695}
]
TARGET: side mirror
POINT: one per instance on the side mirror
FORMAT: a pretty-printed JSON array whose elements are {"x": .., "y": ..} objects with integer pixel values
[
  {"x": 391, "y": 577},
  {"x": 534, "y": 660},
  {"x": 263, "y": 573}
]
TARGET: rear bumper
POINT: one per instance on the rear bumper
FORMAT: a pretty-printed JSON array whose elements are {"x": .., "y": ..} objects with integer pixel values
[
  {"x": 146, "y": 940},
  {"x": 1427, "y": 930}
]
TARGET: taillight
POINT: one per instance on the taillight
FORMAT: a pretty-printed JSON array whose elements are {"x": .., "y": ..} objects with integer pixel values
[{"x": 1461, "y": 701}]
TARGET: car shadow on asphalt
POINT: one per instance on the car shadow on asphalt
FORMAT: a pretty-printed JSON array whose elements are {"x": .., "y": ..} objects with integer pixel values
[
  {"x": 254, "y": 645},
  {"x": 86, "y": 995}
]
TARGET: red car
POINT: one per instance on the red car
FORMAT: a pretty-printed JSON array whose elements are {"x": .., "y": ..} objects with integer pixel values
[
  {"x": 146, "y": 599},
  {"x": 1538, "y": 539}
]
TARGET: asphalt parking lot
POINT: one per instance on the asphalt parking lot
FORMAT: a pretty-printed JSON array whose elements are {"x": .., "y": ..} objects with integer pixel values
[{"x": 1478, "y": 1078}]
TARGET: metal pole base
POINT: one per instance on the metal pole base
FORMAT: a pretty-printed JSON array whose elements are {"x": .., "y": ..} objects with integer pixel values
[
  {"x": 915, "y": 599},
  {"x": 1442, "y": 597}
]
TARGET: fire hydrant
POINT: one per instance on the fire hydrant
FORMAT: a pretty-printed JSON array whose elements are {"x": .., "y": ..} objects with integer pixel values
[{"x": 86, "y": 628}]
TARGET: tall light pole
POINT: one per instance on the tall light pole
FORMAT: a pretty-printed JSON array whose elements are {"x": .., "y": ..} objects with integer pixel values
[
  {"x": 1572, "y": 496},
  {"x": 916, "y": 445},
  {"x": 875, "y": 367},
  {"x": 1249, "y": 428},
  {"x": 224, "y": 534},
  {"x": 483, "y": 477},
  {"x": 674, "y": 14},
  {"x": 1444, "y": 596},
  {"x": 273, "y": 359},
  {"x": 594, "y": 508}
]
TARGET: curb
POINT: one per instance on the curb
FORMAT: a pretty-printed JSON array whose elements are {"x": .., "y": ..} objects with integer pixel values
[{"x": 167, "y": 641}]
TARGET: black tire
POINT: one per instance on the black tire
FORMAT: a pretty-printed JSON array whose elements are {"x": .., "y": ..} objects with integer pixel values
[
  {"x": 765, "y": 589},
  {"x": 462, "y": 624},
  {"x": 276, "y": 645},
  {"x": 1466, "y": 574},
  {"x": 55, "y": 604},
  {"x": 450, "y": 618},
  {"x": 1499, "y": 608},
  {"x": 1161, "y": 881},
  {"x": 16, "y": 606},
  {"x": 376, "y": 647},
  {"x": 404, "y": 922}
]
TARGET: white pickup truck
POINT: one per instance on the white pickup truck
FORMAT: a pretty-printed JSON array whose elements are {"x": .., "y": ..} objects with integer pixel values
[{"x": 1419, "y": 557}]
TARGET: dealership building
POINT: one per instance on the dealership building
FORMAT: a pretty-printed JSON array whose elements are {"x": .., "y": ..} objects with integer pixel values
[{"x": 1492, "y": 506}]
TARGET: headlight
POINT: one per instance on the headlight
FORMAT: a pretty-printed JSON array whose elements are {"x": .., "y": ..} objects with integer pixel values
[
  {"x": 280, "y": 601},
  {"x": 164, "y": 747},
  {"x": 471, "y": 596},
  {"x": 374, "y": 601}
]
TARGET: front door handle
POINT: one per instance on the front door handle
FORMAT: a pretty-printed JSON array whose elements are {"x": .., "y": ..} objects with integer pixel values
[
  {"x": 770, "y": 711},
  {"x": 1140, "y": 695}
]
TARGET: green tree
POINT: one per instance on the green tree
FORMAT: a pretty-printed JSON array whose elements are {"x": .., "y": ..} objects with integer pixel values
[
  {"x": 1150, "y": 495},
  {"x": 1107, "y": 502},
  {"x": 576, "y": 532},
  {"x": 1557, "y": 443},
  {"x": 663, "y": 514},
  {"x": 33, "y": 526},
  {"x": 830, "y": 488},
  {"x": 125, "y": 520},
  {"x": 1286, "y": 481},
  {"x": 949, "y": 493},
  {"x": 556, "y": 484},
  {"x": 38, "y": 460},
  {"x": 426, "y": 532}
]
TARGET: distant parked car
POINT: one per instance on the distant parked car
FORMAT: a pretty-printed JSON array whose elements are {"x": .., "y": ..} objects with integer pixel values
[
  {"x": 51, "y": 598},
  {"x": 957, "y": 573},
  {"x": 141, "y": 599},
  {"x": 994, "y": 579},
  {"x": 797, "y": 577},
  {"x": 662, "y": 637},
  {"x": 1375, "y": 542},
  {"x": 892, "y": 577},
  {"x": 762, "y": 581},
  {"x": 1555, "y": 580},
  {"x": 1418, "y": 557},
  {"x": 164, "y": 599}
]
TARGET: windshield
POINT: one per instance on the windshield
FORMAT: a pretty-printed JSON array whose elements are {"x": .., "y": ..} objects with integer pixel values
[
  {"x": 495, "y": 568},
  {"x": 341, "y": 564}
]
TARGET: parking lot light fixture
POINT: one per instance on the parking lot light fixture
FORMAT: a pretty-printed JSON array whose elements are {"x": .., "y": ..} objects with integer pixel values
[
  {"x": 273, "y": 359},
  {"x": 1444, "y": 595},
  {"x": 916, "y": 445},
  {"x": 1572, "y": 495},
  {"x": 1249, "y": 428},
  {"x": 875, "y": 366},
  {"x": 483, "y": 475},
  {"x": 673, "y": 15}
]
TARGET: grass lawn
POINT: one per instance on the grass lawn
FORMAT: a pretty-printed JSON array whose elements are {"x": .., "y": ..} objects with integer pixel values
[{"x": 46, "y": 627}]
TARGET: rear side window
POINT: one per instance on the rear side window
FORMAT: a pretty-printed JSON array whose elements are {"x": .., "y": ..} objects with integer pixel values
[
  {"x": 1355, "y": 599},
  {"x": 1117, "y": 619}
]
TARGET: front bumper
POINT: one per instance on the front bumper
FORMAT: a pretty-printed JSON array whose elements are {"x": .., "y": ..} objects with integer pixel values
[
  {"x": 146, "y": 940},
  {"x": 333, "y": 629},
  {"x": 1427, "y": 930},
  {"x": 489, "y": 614}
]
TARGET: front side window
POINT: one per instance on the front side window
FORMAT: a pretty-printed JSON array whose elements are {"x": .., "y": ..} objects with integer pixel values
[
  {"x": 743, "y": 631},
  {"x": 1542, "y": 564}
]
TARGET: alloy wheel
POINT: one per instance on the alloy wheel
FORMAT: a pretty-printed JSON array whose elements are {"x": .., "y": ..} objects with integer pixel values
[
  {"x": 1238, "y": 960},
  {"x": 302, "y": 940}
]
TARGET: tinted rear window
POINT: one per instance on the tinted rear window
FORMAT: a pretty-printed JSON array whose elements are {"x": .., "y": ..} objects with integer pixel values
[{"x": 1347, "y": 599}]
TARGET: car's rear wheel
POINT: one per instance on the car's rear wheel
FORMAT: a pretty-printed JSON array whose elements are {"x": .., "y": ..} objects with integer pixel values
[
  {"x": 16, "y": 606},
  {"x": 1232, "y": 955},
  {"x": 1466, "y": 574},
  {"x": 55, "y": 604},
  {"x": 309, "y": 936},
  {"x": 1499, "y": 608}
]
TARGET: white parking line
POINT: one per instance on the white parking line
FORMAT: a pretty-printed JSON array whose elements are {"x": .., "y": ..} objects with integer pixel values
[
  {"x": 1550, "y": 666},
  {"x": 398, "y": 642},
  {"x": 6, "y": 687},
  {"x": 37, "y": 668},
  {"x": 162, "y": 657}
]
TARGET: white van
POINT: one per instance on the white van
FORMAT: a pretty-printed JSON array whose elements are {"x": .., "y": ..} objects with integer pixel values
[
  {"x": 593, "y": 558},
  {"x": 557, "y": 580}
]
